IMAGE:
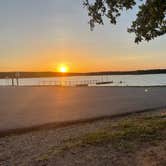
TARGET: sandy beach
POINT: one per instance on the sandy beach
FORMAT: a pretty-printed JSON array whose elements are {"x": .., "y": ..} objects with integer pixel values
[{"x": 137, "y": 139}]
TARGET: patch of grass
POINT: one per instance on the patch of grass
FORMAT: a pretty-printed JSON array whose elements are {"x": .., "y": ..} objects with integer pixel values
[
  {"x": 53, "y": 151},
  {"x": 127, "y": 131},
  {"x": 123, "y": 145},
  {"x": 127, "y": 134}
]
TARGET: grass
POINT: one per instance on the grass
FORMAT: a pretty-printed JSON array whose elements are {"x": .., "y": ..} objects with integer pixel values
[
  {"x": 124, "y": 135},
  {"x": 147, "y": 129}
]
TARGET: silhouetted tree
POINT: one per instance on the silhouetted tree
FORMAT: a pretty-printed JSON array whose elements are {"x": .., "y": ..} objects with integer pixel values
[{"x": 149, "y": 24}]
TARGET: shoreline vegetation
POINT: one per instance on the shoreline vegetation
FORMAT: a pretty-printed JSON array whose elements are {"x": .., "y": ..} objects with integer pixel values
[
  {"x": 56, "y": 74},
  {"x": 137, "y": 139}
]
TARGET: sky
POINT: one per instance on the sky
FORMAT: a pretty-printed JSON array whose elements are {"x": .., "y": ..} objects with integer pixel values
[{"x": 39, "y": 35}]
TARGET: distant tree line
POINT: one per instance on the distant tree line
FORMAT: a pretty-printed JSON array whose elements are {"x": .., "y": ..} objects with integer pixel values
[{"x": 55, "y": 74}]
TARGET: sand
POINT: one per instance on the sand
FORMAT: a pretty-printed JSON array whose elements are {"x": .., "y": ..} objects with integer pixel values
[{"x": 40, "y": 148}]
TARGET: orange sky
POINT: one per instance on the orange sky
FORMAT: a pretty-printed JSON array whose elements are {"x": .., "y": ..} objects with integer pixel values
[{"x": 41, "y": 36}]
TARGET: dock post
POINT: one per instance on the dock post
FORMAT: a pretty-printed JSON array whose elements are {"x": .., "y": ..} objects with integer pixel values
[
  {"x": 17, "y": 75},
  {"x": 12, "y": 81}
]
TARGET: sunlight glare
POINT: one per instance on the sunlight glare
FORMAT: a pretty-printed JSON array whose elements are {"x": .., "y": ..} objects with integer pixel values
[{"x": 63, "y": 69}]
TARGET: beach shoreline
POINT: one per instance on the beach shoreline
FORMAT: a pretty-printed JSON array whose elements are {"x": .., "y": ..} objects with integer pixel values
[
  {"x": 62, "y": 146},
  {"x": 54, "y": 125}
]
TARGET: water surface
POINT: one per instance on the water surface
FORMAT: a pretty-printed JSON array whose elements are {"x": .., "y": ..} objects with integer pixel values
[{"x": 117, "y": 80}]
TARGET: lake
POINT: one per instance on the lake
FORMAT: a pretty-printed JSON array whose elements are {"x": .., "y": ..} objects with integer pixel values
[{"x": 115, "y": 80}]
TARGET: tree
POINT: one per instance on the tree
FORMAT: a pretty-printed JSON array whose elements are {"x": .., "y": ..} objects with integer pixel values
[{"x": 150, "y": 21}]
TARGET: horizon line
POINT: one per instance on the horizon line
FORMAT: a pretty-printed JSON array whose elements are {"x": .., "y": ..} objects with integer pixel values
[{"x": 105, "y": 71}]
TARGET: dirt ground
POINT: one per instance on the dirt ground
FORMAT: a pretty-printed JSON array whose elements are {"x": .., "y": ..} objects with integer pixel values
[{"x": 138, "y": 139}]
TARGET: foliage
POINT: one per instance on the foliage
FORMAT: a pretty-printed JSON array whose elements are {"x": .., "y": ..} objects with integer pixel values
[{"x": 149, "y": 24}]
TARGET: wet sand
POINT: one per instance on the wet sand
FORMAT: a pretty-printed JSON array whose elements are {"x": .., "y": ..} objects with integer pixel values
[{"x": 25, "y": 107}]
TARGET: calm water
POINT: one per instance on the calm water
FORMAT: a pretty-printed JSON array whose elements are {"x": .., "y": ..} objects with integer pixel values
[{"x": 117, "y": 80}]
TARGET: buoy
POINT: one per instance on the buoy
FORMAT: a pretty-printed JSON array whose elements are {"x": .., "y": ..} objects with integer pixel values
[{"x": 146, "y": 90}]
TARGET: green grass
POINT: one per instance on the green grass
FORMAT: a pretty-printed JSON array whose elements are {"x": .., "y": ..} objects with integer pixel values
[
  {"x": 140, "y": 130},
  {"x": 124, "y": 135}
]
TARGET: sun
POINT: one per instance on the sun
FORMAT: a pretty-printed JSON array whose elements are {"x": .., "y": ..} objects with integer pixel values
[{"x": 63, "y": 69}]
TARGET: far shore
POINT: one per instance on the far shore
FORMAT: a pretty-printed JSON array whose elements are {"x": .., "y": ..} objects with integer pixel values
[{"x": 57, "y": 74}]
